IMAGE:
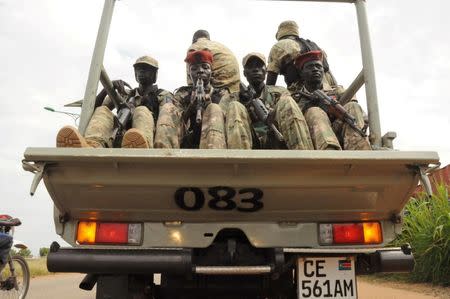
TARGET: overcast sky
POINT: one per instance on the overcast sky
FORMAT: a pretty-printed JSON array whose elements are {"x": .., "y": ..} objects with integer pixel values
[{"x": 46, "y": 47}]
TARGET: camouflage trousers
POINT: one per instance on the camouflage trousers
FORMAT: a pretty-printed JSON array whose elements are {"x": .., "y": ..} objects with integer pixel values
[
  {"x": 225, "y": 130},
  {"x": 101, "y": 125},
  {"x": 292, "y": 124},
  {"x": 168, "y": 127},
  {"x": 328, "y": 136}
]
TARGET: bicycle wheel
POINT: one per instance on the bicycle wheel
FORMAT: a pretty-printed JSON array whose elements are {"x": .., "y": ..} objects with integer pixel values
[{"x": 22, "y": 274}]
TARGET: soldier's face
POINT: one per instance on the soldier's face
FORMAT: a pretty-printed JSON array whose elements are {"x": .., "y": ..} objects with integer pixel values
[
  {"x": 255, "y": 71},
  {"x": 145, "y": 74},
  {"x": 200, "y": 70},
  {"x": 312, "y": 71}
]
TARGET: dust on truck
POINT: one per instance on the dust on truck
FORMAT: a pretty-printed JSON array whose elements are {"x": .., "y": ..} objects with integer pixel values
[{"x": 181, "y": 223}]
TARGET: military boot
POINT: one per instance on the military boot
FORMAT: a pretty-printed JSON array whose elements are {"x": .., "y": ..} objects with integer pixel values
[
  {"x": 69, "y": 136},
  {"x": 134, "y": 138}
]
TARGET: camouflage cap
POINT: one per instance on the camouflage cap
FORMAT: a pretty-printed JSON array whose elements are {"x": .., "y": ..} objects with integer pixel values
[
  {"x": 253, "y": 54},
  {"x": 147, "y": 60},
  {"x": 287, "y": 28}
]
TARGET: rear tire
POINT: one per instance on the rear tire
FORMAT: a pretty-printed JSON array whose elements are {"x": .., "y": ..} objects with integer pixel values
[{"x": 22, "y": 273}]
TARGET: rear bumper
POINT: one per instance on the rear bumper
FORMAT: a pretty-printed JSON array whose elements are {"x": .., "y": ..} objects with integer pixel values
[{"x": 180, "y": 261}]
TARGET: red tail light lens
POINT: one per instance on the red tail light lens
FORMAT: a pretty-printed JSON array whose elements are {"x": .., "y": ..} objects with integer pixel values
[
  {"x": 115, "y": 233},
  {"x": 351, "y": 233}
]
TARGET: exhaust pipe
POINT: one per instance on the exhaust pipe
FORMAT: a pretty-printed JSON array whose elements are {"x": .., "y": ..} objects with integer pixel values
[
  {"x": 119, "y": 261},
  {"x": 395, "y": 261},
  {"x": 88, "y": 282}
]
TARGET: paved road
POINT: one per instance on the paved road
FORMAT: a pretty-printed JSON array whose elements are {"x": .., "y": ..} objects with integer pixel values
[{"x": 66, "y": 286}]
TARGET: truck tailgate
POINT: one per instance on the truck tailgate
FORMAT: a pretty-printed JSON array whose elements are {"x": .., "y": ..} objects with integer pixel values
[{"x": 155, "y": 185}]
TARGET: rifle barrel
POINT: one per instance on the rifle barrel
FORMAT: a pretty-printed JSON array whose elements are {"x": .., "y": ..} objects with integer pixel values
[{"x": 109, "y": 87}]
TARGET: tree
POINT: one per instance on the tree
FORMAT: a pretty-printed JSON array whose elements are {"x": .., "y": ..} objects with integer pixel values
[
  {"x": 25, "y": 252},
  {"x": 43, "y": 251}
]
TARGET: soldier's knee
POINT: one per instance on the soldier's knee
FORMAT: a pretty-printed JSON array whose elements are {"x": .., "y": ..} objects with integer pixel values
[
  {"x": 315, "y": 113},
  {"x": 213, "y": 108},
  {"x": 142, "y": 110},
  {"x": 102, "y": 111},
  {"x": 236, "y": 108}
]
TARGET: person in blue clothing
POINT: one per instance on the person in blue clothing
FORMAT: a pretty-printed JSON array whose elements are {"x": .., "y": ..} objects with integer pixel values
[{"x": 6, "y": 241}]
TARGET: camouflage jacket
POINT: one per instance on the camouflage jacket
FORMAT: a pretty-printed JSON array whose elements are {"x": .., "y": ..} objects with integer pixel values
[
  {"x": 184, "y": 96},
  {"x": 283, "y": 50},
  {"x": 269, "y": 96}
]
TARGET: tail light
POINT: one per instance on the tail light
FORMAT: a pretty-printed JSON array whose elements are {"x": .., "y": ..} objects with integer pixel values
[
  {"x": 110, "y": 233},
  {"x": 359, "y": 233}
]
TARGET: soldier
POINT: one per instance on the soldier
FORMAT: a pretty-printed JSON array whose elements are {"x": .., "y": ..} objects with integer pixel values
[
  {"x": 147, "y": 101},
  {"x": 225, "y": 68},
  {"x": 203, "y": 118},
  {"x": 283, "y": 53},
  {"x": 285, "y": 113},
  {"x": 326, "y": 133}
]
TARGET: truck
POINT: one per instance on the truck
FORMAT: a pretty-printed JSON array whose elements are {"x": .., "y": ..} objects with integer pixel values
[{"x": 191, "y": 223}]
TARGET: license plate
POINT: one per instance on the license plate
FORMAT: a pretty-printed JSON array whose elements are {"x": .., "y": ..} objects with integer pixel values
[{"x": 326, "y": 277}]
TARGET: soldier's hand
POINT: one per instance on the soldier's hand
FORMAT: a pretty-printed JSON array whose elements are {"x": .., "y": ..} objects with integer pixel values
[
  {"x": 119, "y": 85},
  {"x": 245, "y": 96}
]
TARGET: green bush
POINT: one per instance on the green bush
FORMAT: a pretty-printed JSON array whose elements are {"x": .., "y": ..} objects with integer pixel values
[
  {"x": 43, "y": 251},
  {"x": 25, "y": 252},
  {"x": 427, "y": 229}
]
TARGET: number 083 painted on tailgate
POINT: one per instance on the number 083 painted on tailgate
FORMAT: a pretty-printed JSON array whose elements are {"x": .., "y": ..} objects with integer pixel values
[
  {"x": 326, "y": 277},
  {"x": 220, "y": 198}
]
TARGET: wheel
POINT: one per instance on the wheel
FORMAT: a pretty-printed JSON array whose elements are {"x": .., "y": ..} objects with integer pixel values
[{"x": 19, "y": 289}]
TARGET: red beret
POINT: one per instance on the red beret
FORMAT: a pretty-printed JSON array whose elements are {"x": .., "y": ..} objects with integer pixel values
[
  {"x": 306, "y": 57},
  {"x": 203, "y": 56}
]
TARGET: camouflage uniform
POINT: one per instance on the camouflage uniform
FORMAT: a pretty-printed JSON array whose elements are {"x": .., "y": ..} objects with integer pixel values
[
  {"x": 100, "y": 128},
  {"x": 287, "y": 118},
  {"x": 332, "y": 135},
  {"x": 222, "y": 126},
  {"x": 286, "y": 49},
  {"x": 225, "y": 68}
]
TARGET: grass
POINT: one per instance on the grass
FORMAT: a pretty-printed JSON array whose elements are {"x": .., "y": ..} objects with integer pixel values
[
  {"x": 427, "y": 229},
  {"x": 38, "y": 267}
]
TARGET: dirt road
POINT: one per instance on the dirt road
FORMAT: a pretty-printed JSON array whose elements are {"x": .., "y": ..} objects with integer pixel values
[{"x": 66, "y": 286}]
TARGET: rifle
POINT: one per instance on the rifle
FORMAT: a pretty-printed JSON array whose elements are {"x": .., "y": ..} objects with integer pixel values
[
  {"x": 332, "y": 107},
  {"x": 124, "y": 110},
  {"x": 258, "y": 111},
  {"x": 199, "y": 99}
]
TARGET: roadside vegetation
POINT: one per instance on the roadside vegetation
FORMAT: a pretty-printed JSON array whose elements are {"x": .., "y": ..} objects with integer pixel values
[
  {"x": 427, "y": 229},
  {"x": 38, "y": 267}
]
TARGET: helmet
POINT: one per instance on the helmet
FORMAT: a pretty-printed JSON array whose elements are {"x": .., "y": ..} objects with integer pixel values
[{"x": 287, "y": 28}]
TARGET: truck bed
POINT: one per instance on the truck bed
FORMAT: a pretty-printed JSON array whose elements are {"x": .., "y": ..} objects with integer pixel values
[{"x": 158, "y": 185}]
